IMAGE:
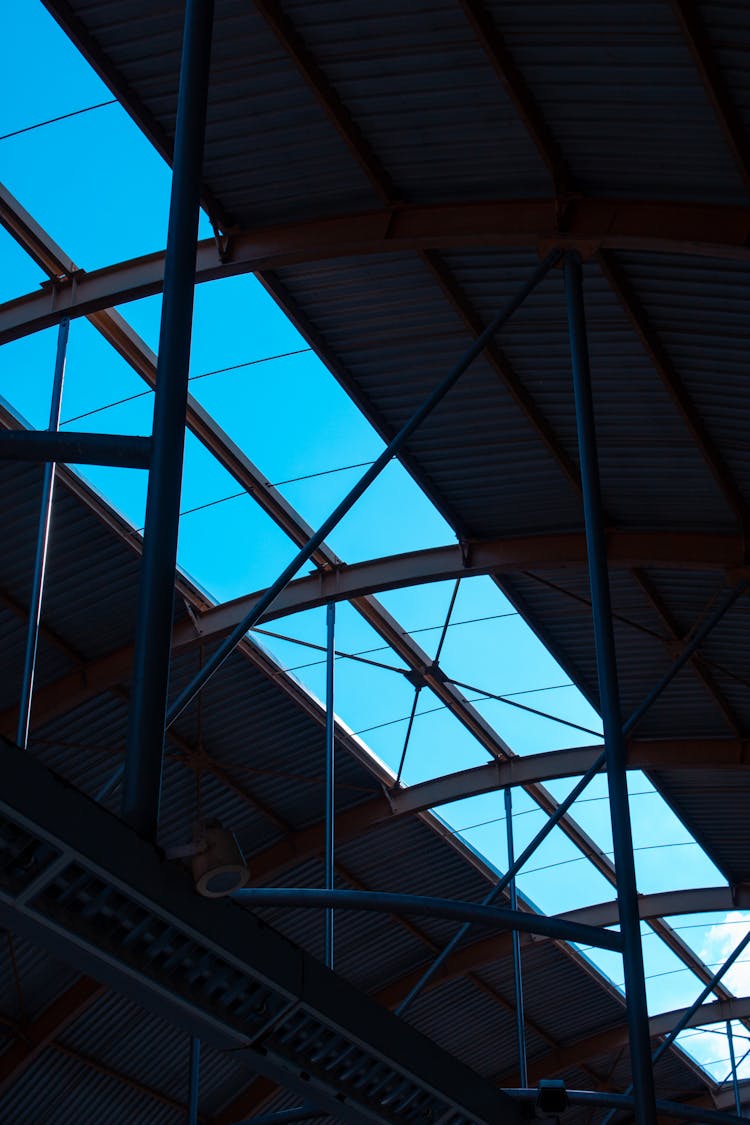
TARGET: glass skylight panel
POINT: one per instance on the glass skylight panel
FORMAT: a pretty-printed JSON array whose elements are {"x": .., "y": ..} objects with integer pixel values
[{"x": 294, "y": 421}]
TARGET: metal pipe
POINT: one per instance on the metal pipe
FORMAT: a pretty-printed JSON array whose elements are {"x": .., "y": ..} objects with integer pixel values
[
  {"x": 502, "y": 883},
  {"x": 699, "y": 636},
  {"x": 42, "y": 540},
  {"x": 516, "y": 939},
  {"x": 145, "y": 754},
  {"x": 119, "y": 450},
  {"x": 606, "y": 660},
  {"x": 392, "y": 449},
  {"x": 330, "y": 764},
  {"x": 285, "y": 1116},
  {"x": 733, "y": 1061},
  {"x": 384, "y": 902},
  {"x": 195, "y": 1080},
  {"x": 627, "y": 1102}
]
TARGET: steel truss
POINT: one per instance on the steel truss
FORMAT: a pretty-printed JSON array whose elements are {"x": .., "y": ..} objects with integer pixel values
[{"x": 65, "y": 876}]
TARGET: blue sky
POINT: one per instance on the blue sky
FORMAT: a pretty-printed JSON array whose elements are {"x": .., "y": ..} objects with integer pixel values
[{"x": 101, "y": 191}]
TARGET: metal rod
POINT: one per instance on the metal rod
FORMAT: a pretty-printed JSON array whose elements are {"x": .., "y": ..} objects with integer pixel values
[
  {"x": 42, "y": 540},
  {"x": 502, "y": 883},
  {"x": 330, "y": 764},
  {"x": 627, "y": 1102},
  {"x": 407, "y": 736},
  {"x": 563, "y": 807},
  {"x": 693, "y": 645},
  {"x": 392, "y": 449},
  {"x": 145, "y": 754},
  {"x": 688, "y": 1014},
  {"x": 195, "y": 1080},
  {"x": 733, "y": 1061},
  {"x": 384, "y": 902},
  {"x": 699, "y": 636},
  {"x": 285, "y": 1116},
  {"x": 606, "y": 662},
  {"x": 119, "y": 450},
  {"x": 516, "y": 939}
]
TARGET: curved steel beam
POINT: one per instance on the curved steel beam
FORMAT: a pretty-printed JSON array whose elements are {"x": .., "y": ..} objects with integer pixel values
[
  {"x": 489, "y": 950},
  {"x": 670, "y": 550},
  {"x": 718, "y": 1011},
  {"x": 591, "y": 224},
  {"x": 645, "y": 754}
]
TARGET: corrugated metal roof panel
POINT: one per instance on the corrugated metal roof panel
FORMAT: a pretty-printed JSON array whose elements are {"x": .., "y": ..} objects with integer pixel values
[{"x": 618, "y": 88}]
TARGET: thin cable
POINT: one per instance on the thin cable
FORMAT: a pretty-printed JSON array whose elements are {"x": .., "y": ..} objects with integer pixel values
[
  {"x": 321, "y": 648},
  {"x": 418, "y": 689},
  {"x": 273, "y": 484},
  {"x": 54, "y": 120},
  {"x": 524, "y": 707},
  {"x": 536, "y": 811},
  {"x": 192, "y": 379},
  {"x": 444, "y": 706}
]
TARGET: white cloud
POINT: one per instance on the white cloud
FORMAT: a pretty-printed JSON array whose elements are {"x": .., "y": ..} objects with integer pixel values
[{"x": 720, "y": 941}]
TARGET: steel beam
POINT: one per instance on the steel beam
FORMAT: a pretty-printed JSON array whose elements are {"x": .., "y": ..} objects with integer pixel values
[
  {"x": 696, "y": 35},
  {"x": 119, "y": 450},
  {"x": 392, "y": 449},
  {"x": 209, "y": 967},
  {"x": 606, "y": 662},
  {"x": 330, "y": 787},
  {"x": 516, "y": 88},
  {"x": 144, "y": 761},
  {"x": 702, "y": 229},
  {"x": 431, "y": 907},
  {"x": 614, "y": 1038},
  {"x": 675, "y": 388},
  {"x": 489, "y": 950},
  {"x": 53, "y": 1021}
]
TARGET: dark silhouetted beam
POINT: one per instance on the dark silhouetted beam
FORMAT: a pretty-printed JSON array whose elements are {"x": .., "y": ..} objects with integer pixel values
[
  {"x": 610, "y": 1040},
  {"x": 591, "y": 224},
  {"x": 59, "y": 1015},
  {"x": 118, "y": 450},
  {"x": 665, "y": 369},
  {"x": 696, "y": 36},
  {"x": 517, "y": 90}
]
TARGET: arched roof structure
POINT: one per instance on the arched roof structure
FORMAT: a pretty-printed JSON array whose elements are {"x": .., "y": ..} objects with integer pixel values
[{"x": 392, "y": 176}]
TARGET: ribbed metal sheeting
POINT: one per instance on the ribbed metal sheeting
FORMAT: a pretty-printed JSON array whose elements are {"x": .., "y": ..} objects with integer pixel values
[
  {"x": 699, "y": 309},
  {"x": 713, "y": 805},
  {"x": 72, "y": 1092},
  {"x": 645, "y": 647},
  {"x": 395, "y": 335},
  {"x": 150, "y": 1051},
  {"x": 29, "y": 979},
  {"x": 418, "y": 71},
  {"x": 614, "y": 81},
  {"x": 619, "y": 90},
  {"x": 262, "y": 172}
]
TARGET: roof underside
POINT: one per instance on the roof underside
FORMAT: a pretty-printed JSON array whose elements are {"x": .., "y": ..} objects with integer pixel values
[{"x": 321, "y": 110}]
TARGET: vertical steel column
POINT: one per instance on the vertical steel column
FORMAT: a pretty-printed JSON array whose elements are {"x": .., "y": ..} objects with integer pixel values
[
  {"x": 523, "y": 1069},
  {"x": 733, "y": 1060},
  {"x": 143, "y": 767},
  {"x": 195, "y": 1080},
  {"x": 627, "y": 894},
  {"x": 42, "y": 539},
  {"x": 330, "y": 792}
]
